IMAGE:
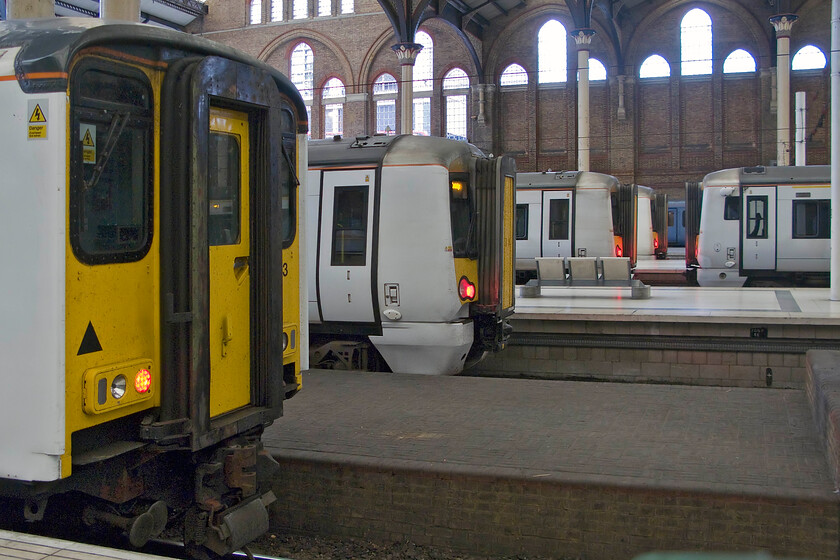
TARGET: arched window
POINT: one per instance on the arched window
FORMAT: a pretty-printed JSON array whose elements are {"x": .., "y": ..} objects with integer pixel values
[
  {"x": 256, "y": 12},
  {"x": 423, "y": 82},
  {"x": 385, "y": 98},
  {"x": 597, "y": 70},
  {"x": 808, "y": 58},
  {"x": 696, "y": 43},
  {"x": 276, "y": 10},
  {"x": 300, "y": 9},
  {"x": 456, "y": 85},
  {"x": 333, "y": 97},
  {"x": 551, "y": 53},
  {"x": 424, "y": 65},
  {"x": 324, "y": 7},
  {"x": 347, "y": 7},
  {"x": 654, "y": 66},
  {"x": 738, "y": 60},
  {"x": 514, "y": 75},
  {"x": 302, "y": 70}
]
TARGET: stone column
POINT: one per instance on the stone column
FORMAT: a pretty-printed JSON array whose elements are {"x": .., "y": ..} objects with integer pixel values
[
  {"x": 25, "y": 9},
  {"x": 125, "y": 10},
  {"x": 783, "y": 23},
  {"x": 407, "y": 55},
  {"x": 583, "y": 38}
]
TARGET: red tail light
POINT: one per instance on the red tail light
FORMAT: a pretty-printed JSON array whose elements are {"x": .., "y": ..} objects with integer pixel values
[
  {"x": 656, "y": 243},
  {"x": 466, "y": 289},
  {"x": 143, "y": 381},
  {"x": 618, "y": 251}
]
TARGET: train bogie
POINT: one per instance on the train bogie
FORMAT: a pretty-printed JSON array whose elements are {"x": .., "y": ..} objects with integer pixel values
[{"x": 152, "y": 226}]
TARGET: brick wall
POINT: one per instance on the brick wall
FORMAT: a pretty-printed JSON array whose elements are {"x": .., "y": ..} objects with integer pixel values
[
  {"x": 484, "y": 514},
  {"x": 674, "y": 129}
]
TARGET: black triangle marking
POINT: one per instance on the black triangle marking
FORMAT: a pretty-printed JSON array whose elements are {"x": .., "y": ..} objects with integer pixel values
[{"x": 90, "y": 342}]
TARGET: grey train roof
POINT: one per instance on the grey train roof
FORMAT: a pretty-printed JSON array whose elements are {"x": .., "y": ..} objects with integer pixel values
[
  {"x": 48, "y": 45},
  {"x": 773, "y": 175},
  {"x": 367, "y": 150}
]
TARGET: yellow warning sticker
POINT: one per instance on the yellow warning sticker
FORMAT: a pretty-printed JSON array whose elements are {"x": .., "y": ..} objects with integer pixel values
[
  {"x": 37, "y": 115},
  {"x": 37, "y": 129},
  {"x": 87, "y": 134}
]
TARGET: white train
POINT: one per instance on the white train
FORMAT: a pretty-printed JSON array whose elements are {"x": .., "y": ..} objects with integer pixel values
[
  {"x": 761, "y": 222},
  {"x": 581, "y": 214},
  {"x": 410, "y": 253},
  {"x": 651, "y": 224}
]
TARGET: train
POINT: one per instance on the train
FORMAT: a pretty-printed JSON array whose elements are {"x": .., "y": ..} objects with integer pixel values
[
  {"x": 583, "y": 214},
  {"x": 676, "y": 223},
  {"x": 152, "y": 318},
  {"x": 410, "y": 247},
  {"x": 754, "y": 224},
  {"x": 651, "y": 223}
]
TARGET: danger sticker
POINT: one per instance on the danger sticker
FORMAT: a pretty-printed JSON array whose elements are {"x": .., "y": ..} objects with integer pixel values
[
  {"x": 87, "y": 134},
  {"x": 37, "y": 119}
]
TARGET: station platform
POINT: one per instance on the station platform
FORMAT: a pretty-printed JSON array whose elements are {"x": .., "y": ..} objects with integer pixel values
[
  {"x": 670, "y": 271},
  {"x": 19, "y": 546},
  {"x": 736, "y": 337},
  {"x": 554, "y": 469}
]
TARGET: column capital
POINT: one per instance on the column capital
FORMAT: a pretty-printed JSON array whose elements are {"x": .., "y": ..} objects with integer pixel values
[
  {"x": 783, "y": 23},
  {"x": 407, "y": 52},
  {"x": 583, "y": 37}
]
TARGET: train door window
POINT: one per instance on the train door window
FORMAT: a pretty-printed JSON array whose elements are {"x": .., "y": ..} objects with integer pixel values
[
  {"x": 811, "y": 219},
  {"x": 732, "y": 208},
  {"x": 756, "y": 217},
  {"x": 521, "y": 221},
  {"x": 110, "y": 169},
  {"x": 670, "y": 218},
  {"x": 288, "y": 180},
  {"x": 558, "y": 219},
  {"x": 350, "y": 215},
  {"x": 223, "y": 178},
  {"x": 616, "y": 215}
]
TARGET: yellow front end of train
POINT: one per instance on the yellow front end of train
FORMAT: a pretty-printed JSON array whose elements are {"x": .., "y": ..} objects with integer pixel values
[{"x": 152, "y": 201}]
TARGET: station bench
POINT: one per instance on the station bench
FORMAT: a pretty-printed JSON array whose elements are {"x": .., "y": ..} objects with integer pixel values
[{"x": 585, "y": 271}]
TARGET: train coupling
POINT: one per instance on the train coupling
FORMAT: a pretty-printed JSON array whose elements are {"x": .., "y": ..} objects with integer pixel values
[{"x": 139, "y": 528}]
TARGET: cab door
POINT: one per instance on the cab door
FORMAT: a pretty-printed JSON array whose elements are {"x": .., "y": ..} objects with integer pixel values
[
  {"x": 345, "y": 246},
  {"x": 229, "y": 242},
  {"x": 557, "y": 215},
  {"x": 758, "y": 228}
]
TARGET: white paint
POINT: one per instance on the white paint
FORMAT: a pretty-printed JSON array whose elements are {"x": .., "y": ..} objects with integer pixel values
[
  {"x": 800, "y": 104},
  {"x": 32, "y": 223}
]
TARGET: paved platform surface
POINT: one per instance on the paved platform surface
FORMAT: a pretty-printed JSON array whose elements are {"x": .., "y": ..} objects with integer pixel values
[
  {"x": 683, "y": 303},
  {"x": 759, "y": 442},
  {"x": 18, "y": 546}
]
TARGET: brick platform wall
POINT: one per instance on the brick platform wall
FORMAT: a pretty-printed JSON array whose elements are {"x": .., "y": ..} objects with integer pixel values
[
  {"x": 689, "y": 367},
  {"x": 495, "y": 515}
]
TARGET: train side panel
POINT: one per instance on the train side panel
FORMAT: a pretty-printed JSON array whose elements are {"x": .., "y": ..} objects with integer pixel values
[
  {"x": 593, "y": 222},
  {"x": 32, "y": 330},
  {"x": 528, "y": 229},
  {"x": 803, "y": 236}
]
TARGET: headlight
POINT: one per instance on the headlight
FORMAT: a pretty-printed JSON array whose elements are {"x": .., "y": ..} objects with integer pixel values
[
  {"x": 118, "y": 387},
  {"x": 285, "y": 341}
]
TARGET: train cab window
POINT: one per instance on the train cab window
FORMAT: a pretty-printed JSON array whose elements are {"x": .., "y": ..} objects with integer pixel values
[
  {"x": 110, "y": 169},
  {"x": 350, "y": 215},
  {"x": 811, "y": 219},
  {"x": 558, "y": 219},
  {"x": 756, "y": 217},
  {"x": 521, "y": 221},
  {"x": 223, "y": 178},
  {"x": 732, "y": 208},
  {"x": 461, "y": 212}
]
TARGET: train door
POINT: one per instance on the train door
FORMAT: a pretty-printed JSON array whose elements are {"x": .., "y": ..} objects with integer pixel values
[
  {"x": 557, "y": 212},
  {"x": 228, "y": 236},
  {"x": 345, "y": 246},
  {"x": 758, "y": 228}
]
